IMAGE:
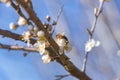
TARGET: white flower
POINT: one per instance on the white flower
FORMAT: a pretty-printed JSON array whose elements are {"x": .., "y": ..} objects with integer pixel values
[
  {"x": 22, "y": 21},
  {"x": 40, "y": 45},
  {"x": 46, "y": 58},
  {"x": 26, "y": 35},
  {"x": 40, "y": 33},
  {"x": 13, "y": 26},
  {"x": 91, "y": 44}
]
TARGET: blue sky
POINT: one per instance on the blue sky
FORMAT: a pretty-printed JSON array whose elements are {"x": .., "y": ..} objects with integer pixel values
[{"x": 77, "y": 16}]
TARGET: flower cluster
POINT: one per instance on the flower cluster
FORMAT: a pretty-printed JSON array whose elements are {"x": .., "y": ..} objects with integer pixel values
[
  {"x": 48, "y": 25},
  {"x": 21, "y": 22},
  {"x": 91, "y": 44},
  {"x": 41, "y": 43}
]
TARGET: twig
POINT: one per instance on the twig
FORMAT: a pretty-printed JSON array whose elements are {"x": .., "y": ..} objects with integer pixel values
[
  {"x": 16, "y": 47},
  {"x": 85, "y": 62},
  {"x": 12, "y": 35},
  {"x": 59, "y": 77},
  {"x": 55, "y": 22},
  {"x": 96, "y": 18},
  {"x": 59, "y": 13},
  {"x": 91, "y": 31},
  {"x": 18, "y": 10}
]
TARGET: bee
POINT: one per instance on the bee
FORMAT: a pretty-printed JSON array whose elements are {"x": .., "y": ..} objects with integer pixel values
[{"x": 63, "y": 42}]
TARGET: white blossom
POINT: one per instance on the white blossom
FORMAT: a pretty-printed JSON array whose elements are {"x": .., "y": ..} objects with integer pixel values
[
  {"x": 40, "y": 33},
  {"x": 22, "y": 21},
  {"x": 13, "y": 26},
  {"x": 26, "y": 35},
  {"x": 91, "y": 44},
  {"x": 40, "y": 45},
  {"x": 46, "y": 58}
]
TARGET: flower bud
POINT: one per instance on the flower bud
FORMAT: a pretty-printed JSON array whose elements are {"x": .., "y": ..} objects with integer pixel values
[
  {"x": 40, "y": 33},
  {"x": 95, "y": 11},
  {"x": 13, "y": 26},
  {"x": 48, "y": 18},
  {"x": 22, "y": 21}
]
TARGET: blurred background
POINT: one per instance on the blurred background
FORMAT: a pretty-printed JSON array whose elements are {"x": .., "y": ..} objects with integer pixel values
[{"x": 77, "y": 15}]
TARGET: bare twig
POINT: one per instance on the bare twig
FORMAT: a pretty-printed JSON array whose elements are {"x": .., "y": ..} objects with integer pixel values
[
  {"x": 59, "y": 13},
  {"x": 55, "y": 22},
  {"x": 91, "y": 31},
  {"x": 16, "y": 47},
  {"x": 85, "y": 61},
  {"x": 59, "y": 77}
]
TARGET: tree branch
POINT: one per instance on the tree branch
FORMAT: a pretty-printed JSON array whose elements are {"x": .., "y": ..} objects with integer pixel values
[
  {"x": 12, "y": 35},
  {"x": 16, "y": 47},
  {"x": 62, "y": 59},
  {"x": 68, "y": 65},
  {"x": 91, "y": 32}
]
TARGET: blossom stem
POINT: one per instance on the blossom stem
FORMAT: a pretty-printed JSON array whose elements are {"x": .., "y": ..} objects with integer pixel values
[
  {"x": 96, "y": 18},
  {"x": 85, "y": 62},
  {"x": 91, "y": 32}
]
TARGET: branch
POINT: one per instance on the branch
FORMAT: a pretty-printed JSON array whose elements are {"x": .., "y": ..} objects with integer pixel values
[
  {"x": 63, "y": 59},
  {"x": 19, "y": 11},
  {"x": 91, "y": 32},
  {"x": 16, "y": 47},
  {"x": 68, "y": 65},
  {"x": 12, "y": 35}
]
